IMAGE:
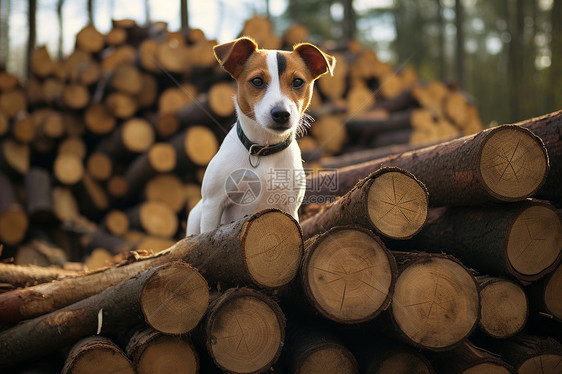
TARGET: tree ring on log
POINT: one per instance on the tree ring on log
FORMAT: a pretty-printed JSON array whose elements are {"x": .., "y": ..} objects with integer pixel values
[
  {"x": 504, "y": 308},
  {"x": 138, "y": 135},
  {"x": 166, "y": 354},
  {"x": 158, "y": 219},
  {"x": 175, "y": 298},
  {"x": 162, "y": 157},
  {"x": 200, "y": 145},
  {"x": 513, "y": 163},
  {"x": 552, "y": 294},
  {"x": 348, "y": 275},
  {"x": 272, "y": 248},
  {"x": 397, "y": 204},
  {"x": 487, "y": 368},
  {"x": 436, "y": 302},
  {"x": 246, "y": 333},
  {"x": 13, "y": 226},
  {"x": 96, "y": 354},
  {"x": 542, "y": 363},
  {"x": 534, "y": 241},
  {"x": 220, "y": 99},
  {"x": 327, "y": 359},
  {"x": 68, "y": 168}
]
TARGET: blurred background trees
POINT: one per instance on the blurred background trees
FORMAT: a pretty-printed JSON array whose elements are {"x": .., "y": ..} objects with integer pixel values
[{"x": 507, "y": 54}]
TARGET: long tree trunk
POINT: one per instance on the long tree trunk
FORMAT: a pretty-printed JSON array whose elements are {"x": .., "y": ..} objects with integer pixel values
[
  {"x": 263, "y": 250},
  {"x": 60, "y": 5},
  {"x": 4, "y": 33},
  {"x": 520, "y": 240},
  {"x": 498, "y": 164},
  {"x": 390, "y": 201},
  {"x": 184, "y": 14},
  {"x": 31, "y": 13},
  {"x": 459, "y": 48}
]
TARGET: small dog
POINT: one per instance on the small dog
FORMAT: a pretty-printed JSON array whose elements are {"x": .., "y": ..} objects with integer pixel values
[{"x": 259, "y": 163}]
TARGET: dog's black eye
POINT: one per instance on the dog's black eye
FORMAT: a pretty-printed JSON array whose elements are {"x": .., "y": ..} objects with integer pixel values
[
  {"x": 257, "y": 82},
  {"x": 298, "y": 83}
]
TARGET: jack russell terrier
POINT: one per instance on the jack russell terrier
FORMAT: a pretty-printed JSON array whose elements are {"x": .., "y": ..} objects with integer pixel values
[{"x": 274, "y": 90}]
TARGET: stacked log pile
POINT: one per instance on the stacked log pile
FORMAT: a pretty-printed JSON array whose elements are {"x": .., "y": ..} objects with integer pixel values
[{"x": 435, "y": 259}]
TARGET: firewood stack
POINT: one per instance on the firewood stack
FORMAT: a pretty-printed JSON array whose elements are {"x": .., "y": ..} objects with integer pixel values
[{"x": 406, "y": 259}]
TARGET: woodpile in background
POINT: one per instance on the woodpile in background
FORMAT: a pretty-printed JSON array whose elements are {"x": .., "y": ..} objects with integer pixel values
[{"x": 408, "y": 258}]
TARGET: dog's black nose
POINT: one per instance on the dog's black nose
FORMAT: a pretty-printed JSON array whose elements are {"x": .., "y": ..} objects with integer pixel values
[{"x": 280, "y": 115}]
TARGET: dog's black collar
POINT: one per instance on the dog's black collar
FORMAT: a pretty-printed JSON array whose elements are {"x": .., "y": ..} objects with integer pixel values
[{"x": 261, "y": 150}]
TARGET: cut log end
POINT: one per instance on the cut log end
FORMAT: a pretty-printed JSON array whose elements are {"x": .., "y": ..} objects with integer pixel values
[
  {"x": 68, "y": 168},
  {"x": 13, "y": 226},
  {"x": 349, "y": 275},
  {"x": 200, "y": 145},
  {"x": 97, "y": 355},
  {"x": 397, "y": 205},
  {"x": 534, "y": 240},
  {"x": 513, "y": 163},
  {"x": 175, "y": 298},
  {"x": 504, "y": 308},
  {"x": 162, "y": 157},
  {"x": 138, "y": 135},
  {"x": 160, "y": 353},
  {"x": 158, "y": 219},
  {"x": 542, "y": 363},
  {"x": 270, "y": 263},
  {"x": 328, "y": 359},
  {"x": 487, "y": 368},
  {"x": 436, "y": 303},
  {"x": 247, "y": 318}
]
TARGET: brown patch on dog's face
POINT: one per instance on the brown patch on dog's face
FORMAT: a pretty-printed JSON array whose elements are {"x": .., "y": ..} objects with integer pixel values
[{"x": 248, "y": 94}]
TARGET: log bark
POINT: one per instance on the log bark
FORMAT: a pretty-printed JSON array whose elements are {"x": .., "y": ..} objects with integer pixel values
[
  {"x": 347, "y": 275},
  {"x": 96, "y": 354},
  {"x": 549, "y": 129},
  {"x": 436, "y": 303},
  {"x": 29, "y": 275},
  {"x": 158, "y": 159},
  {"x": 469, "y": 359},
  {"x": 505, "y": 163},
  {"x": 390, "y": 201},
  {"x": 153, "y": 352},
  {"x": 519, "y": 240},
  {"x": 313, "y": 350},
  {"x": 243, "y": 331},
  {"x": 175, "y": 298},
  {"x": 262, "y": 250},
  {"x": 13, "y": 219},
  {"x": 504, "y": 307},
  {"x": 39, "y": 197}
]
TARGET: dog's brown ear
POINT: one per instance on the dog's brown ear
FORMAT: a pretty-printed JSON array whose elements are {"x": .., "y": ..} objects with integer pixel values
[
  {"x": 318, "y": 62},
  {"x": 233, "y": 55}
]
